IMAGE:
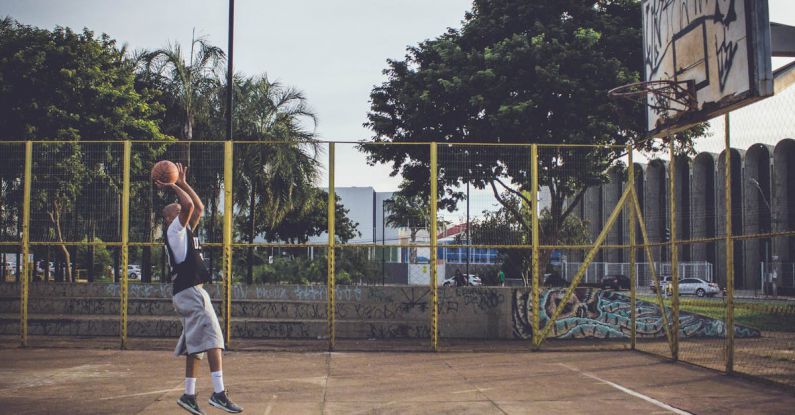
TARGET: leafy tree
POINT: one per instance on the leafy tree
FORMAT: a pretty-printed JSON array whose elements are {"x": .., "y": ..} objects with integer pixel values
[
  {"x": 312, "y": 220},
  {"x": 67, "y": 86},
  {"x": 517, "y": 72}
]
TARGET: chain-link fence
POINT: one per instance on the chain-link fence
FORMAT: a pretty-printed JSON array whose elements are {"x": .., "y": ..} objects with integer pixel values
[{"x": 550, "y": 246}]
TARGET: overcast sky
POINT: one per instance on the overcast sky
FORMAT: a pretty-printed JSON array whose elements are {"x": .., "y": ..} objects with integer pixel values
[{"x": 333, "y": 50}]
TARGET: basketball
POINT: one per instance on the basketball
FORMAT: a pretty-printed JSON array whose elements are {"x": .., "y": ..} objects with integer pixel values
[{"x": 165, "y": 171}]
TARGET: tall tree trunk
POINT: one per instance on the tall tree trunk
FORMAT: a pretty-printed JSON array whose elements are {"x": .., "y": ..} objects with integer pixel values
[
  {"x": 116, "y": 266},
  {"x": 251, "y": 225},
  {"x": 91, "y": 251},
  {"x": 55, "y": 218},
  {"x": 47, "y": 268}
]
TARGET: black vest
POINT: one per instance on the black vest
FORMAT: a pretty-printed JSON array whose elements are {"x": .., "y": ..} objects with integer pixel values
[{"x": 192, "y": 270}]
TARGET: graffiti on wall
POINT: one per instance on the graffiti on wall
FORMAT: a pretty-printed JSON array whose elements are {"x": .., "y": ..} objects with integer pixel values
[{"x": 601, "y": 314}]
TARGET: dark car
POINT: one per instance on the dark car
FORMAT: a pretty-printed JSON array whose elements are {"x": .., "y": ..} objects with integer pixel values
[{"x": 616, "y": 282}]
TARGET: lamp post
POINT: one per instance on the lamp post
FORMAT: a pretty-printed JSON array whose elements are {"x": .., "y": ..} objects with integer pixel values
[
  {"x": 230, "y": 69},
  {"x": 468, "y": 240},
  {"x": 758, "y": 187},
  {"x": 383, "y": 242}
]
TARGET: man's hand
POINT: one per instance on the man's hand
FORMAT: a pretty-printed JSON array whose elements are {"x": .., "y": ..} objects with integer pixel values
[
  {"x": 163, "y": 186},
  {"x": 183, "y": 173}
]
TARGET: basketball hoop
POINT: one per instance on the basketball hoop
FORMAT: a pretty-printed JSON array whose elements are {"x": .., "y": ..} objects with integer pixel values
[{"x": 668, "y": 95}]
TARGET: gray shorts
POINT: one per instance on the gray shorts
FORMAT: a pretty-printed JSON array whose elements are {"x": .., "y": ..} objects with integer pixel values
[{"x": 200, "y": 328}]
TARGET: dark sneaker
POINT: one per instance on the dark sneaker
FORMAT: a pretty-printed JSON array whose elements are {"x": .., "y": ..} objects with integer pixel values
[
  {"x": 188, "y": 403},
  {"x": 220, "y": 400}
]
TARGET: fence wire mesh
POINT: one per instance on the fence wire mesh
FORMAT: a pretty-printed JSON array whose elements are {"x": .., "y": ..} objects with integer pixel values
[{"x": 382, "y": 287}]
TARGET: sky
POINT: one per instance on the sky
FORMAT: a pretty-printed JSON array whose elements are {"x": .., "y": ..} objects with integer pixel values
[{"x": 333, "y": 50}]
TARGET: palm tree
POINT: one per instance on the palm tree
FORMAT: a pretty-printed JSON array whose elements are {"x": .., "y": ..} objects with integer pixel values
[
  {"x": 188, "y": 83},
  {"x": 275, "y": 179}
]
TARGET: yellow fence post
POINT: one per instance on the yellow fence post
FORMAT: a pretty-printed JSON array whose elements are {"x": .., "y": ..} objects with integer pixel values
[
  {"x": 125, "y": 239},
  {"x": 330, "y": 277},
  {"x": 534, "y": 272},
  {"x": 674, "y": 250},
  {"x": 228, "y": 213},
  {"x": 727, "y": 179},
  {"x": 633, "y": 278},
  {"x": 650, "y": 258},
  {"x": 434, "y": 254},
  {"x": 26, "y": 266}
]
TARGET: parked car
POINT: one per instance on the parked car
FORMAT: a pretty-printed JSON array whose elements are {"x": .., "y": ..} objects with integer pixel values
[
  {"x": 554, "y": 279},
  {"x": 698, "y": 287},
  {"x": 133, "y": 271},
  {"x": 615, "y": 282},
  {"x": 473, "y": 280},
  {"x": 664, "y": 280}
]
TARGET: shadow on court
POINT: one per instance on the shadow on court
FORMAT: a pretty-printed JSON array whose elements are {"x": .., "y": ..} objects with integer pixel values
[{"x": 91, "y": 376}]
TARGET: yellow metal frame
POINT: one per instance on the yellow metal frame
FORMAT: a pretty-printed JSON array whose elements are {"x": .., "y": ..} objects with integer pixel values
[
  {"x": 26, "y": 266},
  {"x": 125, "y": 238},
  {"x": 628, "y": 200},
  {"x": 330, "y": 276},
  {"x": 727, "y": 179},
  {"x": 434, "y": 271},
  {"x": 633, "y": 278},
  {"x": 650, "y": 259},
  {"x": 226, "y": 301},
  {"x": 535, "y": 272},
  {"x": 587, "y": 261},
  {"x": 674, "y": 250}
]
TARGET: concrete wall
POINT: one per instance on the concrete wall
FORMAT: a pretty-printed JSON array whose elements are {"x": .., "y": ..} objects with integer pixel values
[
  {"x": 783, "y": 201},
  {"x": 702, "y": 207},
  {"x": 756, "y": 212},
  {"x": 611, "y": 193},
  {"x": 362, "y": 312}
]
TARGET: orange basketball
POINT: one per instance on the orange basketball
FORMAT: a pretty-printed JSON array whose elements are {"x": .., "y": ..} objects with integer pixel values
[{"x": 165, "y": 171}]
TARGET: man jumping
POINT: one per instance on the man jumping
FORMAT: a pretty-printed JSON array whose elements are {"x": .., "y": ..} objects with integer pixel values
[{"x": 201, "y": 333}]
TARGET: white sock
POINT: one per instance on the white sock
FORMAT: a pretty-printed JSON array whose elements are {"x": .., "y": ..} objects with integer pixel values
[
  {"x": 190, "y": 386},
  {"x": 218, "y": 380}
]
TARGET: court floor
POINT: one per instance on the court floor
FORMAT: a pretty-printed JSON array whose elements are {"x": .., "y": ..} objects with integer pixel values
[{"x": 96, "y": 380}]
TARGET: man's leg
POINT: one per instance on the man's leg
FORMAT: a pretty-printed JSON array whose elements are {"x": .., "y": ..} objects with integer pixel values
[
  {"x": 219, "y": 399},
  {"x": 188, "y": 400},
  {"x": 191, "y": 366},
  {"x": 215, "y": 358}
]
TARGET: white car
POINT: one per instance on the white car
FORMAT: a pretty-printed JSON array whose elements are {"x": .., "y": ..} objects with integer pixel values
[
  {"x": 133, "y": 271},
  {"x": 473, "y": 279},
  {"x": 695, "y": 286}
]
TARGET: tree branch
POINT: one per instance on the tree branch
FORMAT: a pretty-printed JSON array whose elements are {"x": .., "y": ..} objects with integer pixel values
[
  {"x": 573, "y": 204},
  {"x": 508, "y": 206},
  {"x": 514, "y": 191}
]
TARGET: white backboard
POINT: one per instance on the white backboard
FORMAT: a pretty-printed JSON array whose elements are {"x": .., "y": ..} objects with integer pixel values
[{"x": 721, "y": 45}]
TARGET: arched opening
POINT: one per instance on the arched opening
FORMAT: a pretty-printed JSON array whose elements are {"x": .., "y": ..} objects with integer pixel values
[
  {"x": 611, "y": 193},
  {"x": 655, "y": 206},
  {"x": 640, "y": 182},
  {"x": 756, "y": 212},
  {"x": 783, "y": 204},
  {"x": 682, "y": 188},
  {"x": 702, "y": 207},
  {"x": 736, "y": 211}
]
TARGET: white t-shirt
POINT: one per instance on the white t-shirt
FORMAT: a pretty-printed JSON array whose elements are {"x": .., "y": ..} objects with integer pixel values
[{"x": 178, "y": 240}]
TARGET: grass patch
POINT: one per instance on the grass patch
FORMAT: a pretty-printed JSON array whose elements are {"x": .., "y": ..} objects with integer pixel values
[{"x": 765, "y": 316}]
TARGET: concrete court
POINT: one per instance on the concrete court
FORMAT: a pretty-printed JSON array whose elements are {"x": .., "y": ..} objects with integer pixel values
[{"x": 106, "y": 381}]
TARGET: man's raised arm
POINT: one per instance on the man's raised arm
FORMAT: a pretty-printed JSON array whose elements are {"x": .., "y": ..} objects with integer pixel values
[{"x": 198, "y": 206}]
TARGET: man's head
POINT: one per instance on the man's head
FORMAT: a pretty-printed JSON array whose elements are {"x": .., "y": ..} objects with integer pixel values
[{"x": 170, "y": 212}]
